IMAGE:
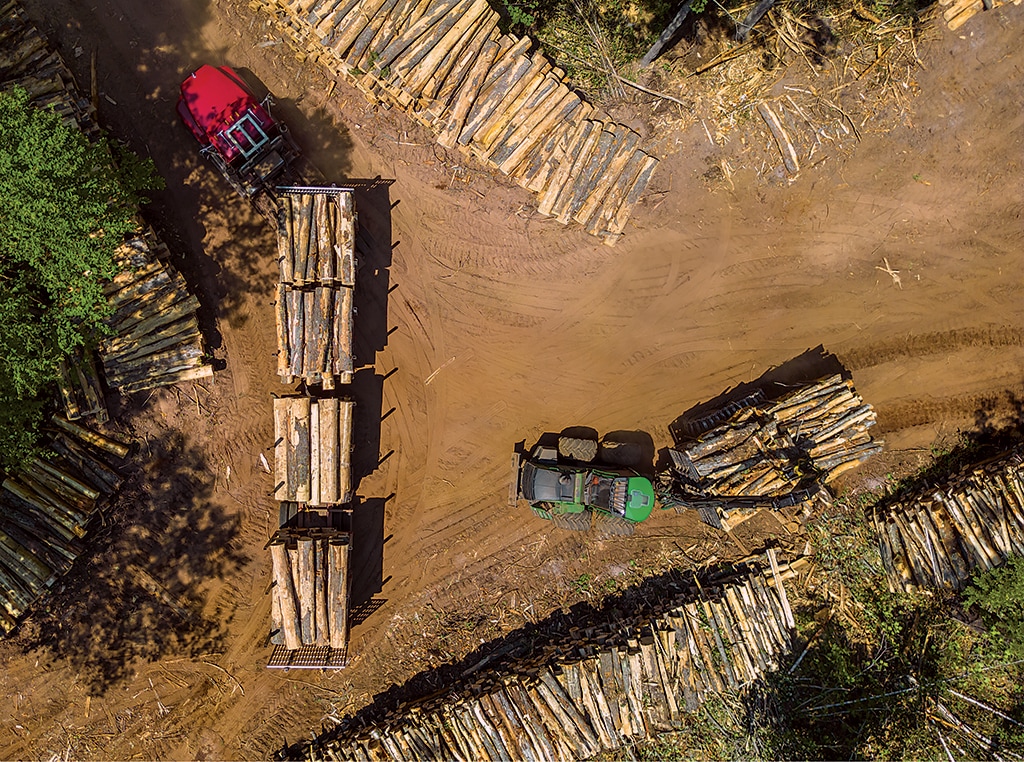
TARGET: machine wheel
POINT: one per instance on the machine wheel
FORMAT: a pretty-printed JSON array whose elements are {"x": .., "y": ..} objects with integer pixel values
[
  {"x": 583, "y": 450},
  {"x": 609, "y": 526},
  {"x": 621, "y": 453},
  {"x": 574, "y": 522}
]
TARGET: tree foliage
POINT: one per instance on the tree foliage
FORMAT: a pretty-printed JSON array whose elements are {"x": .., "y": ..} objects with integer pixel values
[
  {"x": 65, "y": 206},
  {"x": 999, "y": 593}
]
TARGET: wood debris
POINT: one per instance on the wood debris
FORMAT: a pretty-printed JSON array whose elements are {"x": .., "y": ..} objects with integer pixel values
[
  {"x": 937, "y": 538},
  {"x": 154, "y": 333},
  {"x": 604, "y": 687},
  {"x": 959, "y": 12},
  {"x": 80, "y": 388},
  {"x": 447, "y": 64},
  {"x": 45, "y": 512},
  {"x": 312, "y": 451}
]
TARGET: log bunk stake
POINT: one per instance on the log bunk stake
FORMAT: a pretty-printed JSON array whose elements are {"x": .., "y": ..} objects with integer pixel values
[
  {"x": 602, "y": 689},
  {"x": 448, "y": 65},
  {"x": 45, "y": 511},
  {"x": 770, "y": 449},
  {"x": 155, "y": 337},
  {"x": 936, "y": 538}
]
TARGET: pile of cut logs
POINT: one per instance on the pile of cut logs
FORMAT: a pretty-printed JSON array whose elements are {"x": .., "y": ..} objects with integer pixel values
[
  {"x": 765, "y": 448},
  {"x": 155, "y": 338},
  {"x": 959, "y": 12},
  {"x": 45, "y": 509},
  {"x": 312, "y": 450},
  {"x": 80, "y": 389},
  {"x": 26, "y": 61},
  {"x": 599, "y": 694},
  {"x": 316, "y": 252},
  {"x": 309, "y": 602},
  {"x": 448, "y": 65},
  {"x": 938, "y": 538}
]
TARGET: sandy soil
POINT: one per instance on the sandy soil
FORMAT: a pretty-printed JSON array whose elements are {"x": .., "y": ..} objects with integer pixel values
[{"x": 481, "y": 326}]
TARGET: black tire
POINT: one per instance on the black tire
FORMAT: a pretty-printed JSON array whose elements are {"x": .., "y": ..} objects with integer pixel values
[
  {"x": 622, "y": 453},
  {"x": 608, "y": 526},
  {"x": 574, "y": 448},
  {"x": 574, "y": 522}
]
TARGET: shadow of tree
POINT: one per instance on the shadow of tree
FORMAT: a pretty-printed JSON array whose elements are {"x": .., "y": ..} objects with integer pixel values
[{"x": 139, "y": 592}]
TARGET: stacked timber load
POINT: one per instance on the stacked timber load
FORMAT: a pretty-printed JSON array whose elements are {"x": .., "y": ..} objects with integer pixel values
[
  {"x": 154, "y": 333},
  {"x": 45, "y": 509},
  {"x": 316, "y": 253},
  {"x": 936, "y": 539},
  {"x": 312, "y": 450},
  {"x": 309, "y": 604},
  {"x": 769, "y": 448},
  {"x": 447, "y": 64},
  {"x": 80, "y": 388},
  {"x": 27, "y": 62},
  {"x": 598, "y": 695}
]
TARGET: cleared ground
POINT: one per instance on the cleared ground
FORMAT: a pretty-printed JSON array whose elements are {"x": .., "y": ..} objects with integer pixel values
[{"x": 485, "y": 326}]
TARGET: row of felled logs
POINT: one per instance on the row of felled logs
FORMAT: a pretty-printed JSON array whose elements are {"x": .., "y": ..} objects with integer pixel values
[
  {"x": 316, "y": 232},
  {"x": 938, "y": 538},
  {"x": 594, "y": 696},
  {"x": 26, "y": 61},
  {"x": 959, "y": 12},
  {"x": 314, "y": 334},
  {"x": 447, "y": 64},
  {"x": 312, "y": 450},
  {"x": 45, "y": 510},
  {"x": 756, "y": 451},
  {"x": 154, "y": 334},
  {"x": 80, "y": 389},
  {"x": 309, "y": 605}
]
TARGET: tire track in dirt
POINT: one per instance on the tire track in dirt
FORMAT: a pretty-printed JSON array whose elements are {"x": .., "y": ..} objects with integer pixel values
[
  {"x": 932, "y": 343},
  {"x": 983, "y": 409}
]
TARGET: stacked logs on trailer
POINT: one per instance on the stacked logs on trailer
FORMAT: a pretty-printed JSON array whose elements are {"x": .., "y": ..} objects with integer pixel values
[
  {"x": 761, "y": 448},
  {"x": 448, "y": 65},
  {"x": 309, "y": 604},
  {"x": 959, "y": 12},
  {"x": 312, "y": 450},
  {"x": 316, "y": 253},
  {"x": 45, "y": 510},
  {"x": 937, "y": 538},
  {"x": 607, "y": 688},
  {"x": 154, "y": 333},
  {"x": 27, "y": 62}
]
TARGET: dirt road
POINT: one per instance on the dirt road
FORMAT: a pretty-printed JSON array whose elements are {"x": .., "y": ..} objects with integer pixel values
[{"x": 481, "y": 326}]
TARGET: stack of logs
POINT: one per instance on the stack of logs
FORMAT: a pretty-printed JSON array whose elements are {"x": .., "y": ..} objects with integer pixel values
[
  {"x": 316, "y": 253},
  {"x": 80, "y": 389},
  {"x": 26, "y": 61},
  {"x": 309, "y": 602},
  {"x": 312, "y": 450},
  {"x": 448, "y": 65},
  {"x": 45, "y": 509},
  {"x": 959, "y": 12},
  {"x": 936, "y": 539},
  {"x": 599, "y": 695},
  {"x": 155, "y": 338},
  {"x": 763, "y": 448}
]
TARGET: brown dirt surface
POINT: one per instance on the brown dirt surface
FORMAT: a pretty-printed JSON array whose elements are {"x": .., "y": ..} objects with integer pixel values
[{"x": 481, "y": 326}]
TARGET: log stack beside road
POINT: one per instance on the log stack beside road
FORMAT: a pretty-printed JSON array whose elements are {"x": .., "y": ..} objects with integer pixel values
[
  {"x": 935, "y": 539},
  {"x": 604, "y": 688},
  {"x": 447, "y": 64},
  {"x": 45, "y": 510}
]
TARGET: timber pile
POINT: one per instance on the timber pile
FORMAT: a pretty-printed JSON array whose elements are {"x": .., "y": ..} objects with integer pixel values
[
  {"x": 312, "y": 450},
  {"x": 959, "y": 12},
  {"x": 309, "y": 604},
  {"x": 155, "y": 338},
  {"x": 316, "y": 232},
  {"x": 937, "y": 539},
  {"x": 45, "y": 510},
  {"x": 610, "y": 686},
  {"x": 767, "y": 448},
  {"x": 447, "y": 64},
  {"x": 26, "y": 61},
  {"x": 80, "y": 389}
]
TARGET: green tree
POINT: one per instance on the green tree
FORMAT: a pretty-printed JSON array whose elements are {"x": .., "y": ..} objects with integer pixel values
[
  {"x": 65, "y": 206},
  {"x": 999, "y": 593}
]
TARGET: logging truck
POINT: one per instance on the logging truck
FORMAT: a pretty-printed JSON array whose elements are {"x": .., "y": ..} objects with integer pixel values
[{"x": 236, "y": 130}]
